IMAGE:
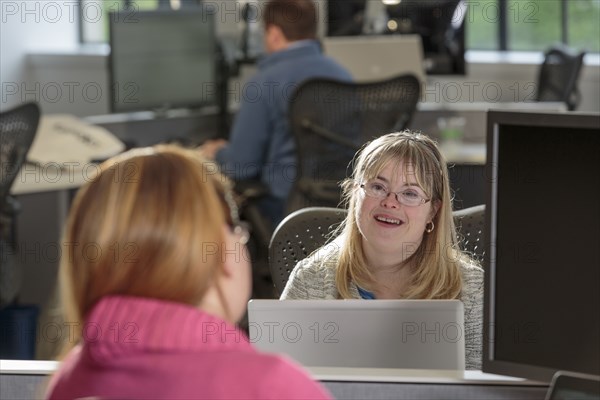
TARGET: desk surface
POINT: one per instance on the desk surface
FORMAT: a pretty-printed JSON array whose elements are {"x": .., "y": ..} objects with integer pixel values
[
  {"x": 34, "y": 367},
  {"x": 415, "y": 376},
  {"x": 52, "y": 177},
  {"x": 64, "y": 176},
  {"x": 138, "y": 129},
  {"x": 464, "y": 153},
  {"x": 533, "y": 106}
]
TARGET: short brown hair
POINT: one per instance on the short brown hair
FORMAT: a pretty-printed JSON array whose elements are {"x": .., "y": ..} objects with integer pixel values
[{"x": 297, "y": 19}]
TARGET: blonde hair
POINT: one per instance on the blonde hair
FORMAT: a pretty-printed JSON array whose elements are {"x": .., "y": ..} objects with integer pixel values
[
  {"x": 436, "y": 263},
  {"x": 143, "y": 227}
]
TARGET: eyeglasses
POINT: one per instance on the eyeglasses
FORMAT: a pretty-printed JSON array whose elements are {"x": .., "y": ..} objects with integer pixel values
[
  {"x": 239, "y": 227},
  {"x": 408, "y": 197}
]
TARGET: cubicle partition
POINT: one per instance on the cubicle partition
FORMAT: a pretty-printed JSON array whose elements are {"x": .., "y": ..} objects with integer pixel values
[{"x": 26, "y": 380}]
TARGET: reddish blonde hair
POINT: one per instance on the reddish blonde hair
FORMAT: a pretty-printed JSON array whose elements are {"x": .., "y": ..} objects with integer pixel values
[{"x": 149, "y": 224}]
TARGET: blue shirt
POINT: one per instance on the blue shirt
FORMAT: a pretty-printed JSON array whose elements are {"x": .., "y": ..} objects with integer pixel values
[
  {"x": 365, "y": 294},
  {"x": 261, "y": 145}
]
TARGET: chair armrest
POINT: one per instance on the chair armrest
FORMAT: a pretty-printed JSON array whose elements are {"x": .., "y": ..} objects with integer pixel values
[
  {"x": 250, "y": 190},
  {"x": 10, "y": 206}
]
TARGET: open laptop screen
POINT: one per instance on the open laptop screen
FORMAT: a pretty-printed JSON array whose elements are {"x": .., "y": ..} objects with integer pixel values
[
  {"x": 373, "y": 58},
  {"x": 413, "y": 334}
]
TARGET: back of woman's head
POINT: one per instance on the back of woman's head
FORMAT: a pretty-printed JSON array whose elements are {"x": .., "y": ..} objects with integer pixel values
[{"x": 149, "y": 224}]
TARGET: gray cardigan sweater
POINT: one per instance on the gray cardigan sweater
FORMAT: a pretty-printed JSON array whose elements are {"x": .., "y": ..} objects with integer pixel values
[{"x": 314, "y": 278}]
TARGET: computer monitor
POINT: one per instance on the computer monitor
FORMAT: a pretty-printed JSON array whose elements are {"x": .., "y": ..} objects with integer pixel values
[
  {"x": 163, "y": 59},
  {"x": 372, "y": 58},
  {"x": 542, "y": 278},
  {"x": 440, "y": 23},
  {"x": 408, "y": 334}
]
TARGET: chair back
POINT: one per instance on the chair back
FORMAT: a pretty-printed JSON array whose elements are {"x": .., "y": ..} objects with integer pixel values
[
  {"x": 470, "y": 229},
  {"x": 330, "y": 120},
  {"x": 307, "y": 229},
  {"x": 558, "y": 76},
  {"x": 17, "y": 130},
  {"x": 297, "y": 236}
]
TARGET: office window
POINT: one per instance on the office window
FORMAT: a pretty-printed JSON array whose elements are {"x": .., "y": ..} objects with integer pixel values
[
  {"x": 483, "y": 23},
  {"x": 533, "y": 24},
  {"x": 583, "y": 21},
  {"x": 521, "y": 25},
  {"x": 94, "y": 16}
]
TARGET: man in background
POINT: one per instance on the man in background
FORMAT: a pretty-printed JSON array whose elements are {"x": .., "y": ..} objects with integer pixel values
[{"x": 261, "y": 146}]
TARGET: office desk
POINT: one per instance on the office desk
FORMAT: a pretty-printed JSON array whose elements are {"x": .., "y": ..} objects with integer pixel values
[
  {"x": 426, "y": 117},
  {"x": 52, "y": 177},
  {"x": 23, "y": 380}
]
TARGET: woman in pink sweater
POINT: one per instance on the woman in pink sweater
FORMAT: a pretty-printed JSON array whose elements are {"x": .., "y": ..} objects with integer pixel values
[{"x": 154, "y": 276}]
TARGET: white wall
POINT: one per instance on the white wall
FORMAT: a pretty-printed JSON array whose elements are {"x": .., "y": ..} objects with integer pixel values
[{"x": 25, "y": 27}]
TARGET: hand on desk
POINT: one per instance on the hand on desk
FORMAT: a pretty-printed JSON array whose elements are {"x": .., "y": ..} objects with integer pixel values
[{"x": 211, "y": 147}]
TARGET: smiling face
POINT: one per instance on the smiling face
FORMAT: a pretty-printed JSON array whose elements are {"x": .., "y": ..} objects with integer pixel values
[{"x": 389, "y": 228}]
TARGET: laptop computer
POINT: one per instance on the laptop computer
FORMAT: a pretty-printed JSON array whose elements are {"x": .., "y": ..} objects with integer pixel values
[
  {"x": 412, "y": 334},
  {"x": 372, "y": 58},
  {"x": 574, "y": 386}
]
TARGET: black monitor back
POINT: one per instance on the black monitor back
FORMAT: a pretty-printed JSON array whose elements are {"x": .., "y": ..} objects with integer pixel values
[{"x": 542, "y": 237}]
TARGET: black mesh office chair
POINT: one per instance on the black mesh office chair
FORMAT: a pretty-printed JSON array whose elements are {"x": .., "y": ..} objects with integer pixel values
[
  {"x": 298, "y": 235},
  {"x": 470, "y": 228},
  {"x": 17, "y": 131},
  {"x": 558, "y": 76},
  {"x": 331, "y": 120},
  {"x": 307, "y": 229}
]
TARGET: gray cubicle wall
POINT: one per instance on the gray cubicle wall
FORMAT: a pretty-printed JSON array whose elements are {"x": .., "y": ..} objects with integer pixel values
[
  {"x": 27, "y": 387},
  {"x": 427, "y": 391},
  {"x": 22, "y": 387}
]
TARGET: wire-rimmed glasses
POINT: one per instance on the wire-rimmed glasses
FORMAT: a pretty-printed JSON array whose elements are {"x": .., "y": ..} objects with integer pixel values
[{"x": 410, "y": 197}]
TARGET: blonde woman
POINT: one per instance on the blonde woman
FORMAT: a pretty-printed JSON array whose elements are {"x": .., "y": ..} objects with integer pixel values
[
  {"x": 398, "y": 240},
  {"x": 154, "y": 276}
]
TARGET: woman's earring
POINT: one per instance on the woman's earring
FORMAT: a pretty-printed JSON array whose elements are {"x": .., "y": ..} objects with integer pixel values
[{"x": 428, "y": 228}]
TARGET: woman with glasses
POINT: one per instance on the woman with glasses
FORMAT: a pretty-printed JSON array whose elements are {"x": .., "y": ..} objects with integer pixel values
[
  {"x": 154, "y": 276},
  {"x": 398, "y": 240}
]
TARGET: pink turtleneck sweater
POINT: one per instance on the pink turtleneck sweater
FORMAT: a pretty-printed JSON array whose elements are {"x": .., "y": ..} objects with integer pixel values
[{"x": 139, "y": 348}]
